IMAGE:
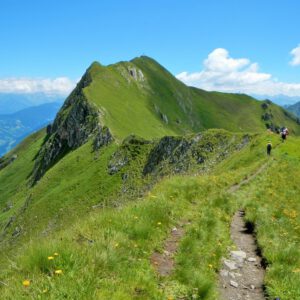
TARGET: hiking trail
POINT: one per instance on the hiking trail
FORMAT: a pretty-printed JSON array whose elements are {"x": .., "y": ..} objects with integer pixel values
[
  {"x": 164, "y": 262},
  {"x": 241, "y": 276}
]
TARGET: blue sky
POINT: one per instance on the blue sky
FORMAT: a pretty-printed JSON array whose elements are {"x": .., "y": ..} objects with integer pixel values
[{"x": 51, "y": 39}]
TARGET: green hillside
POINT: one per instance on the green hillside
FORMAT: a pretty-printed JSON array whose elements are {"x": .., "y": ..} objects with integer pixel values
[
  {"x": 85, "y": 203},
  {"x": 170, "y": 107}
]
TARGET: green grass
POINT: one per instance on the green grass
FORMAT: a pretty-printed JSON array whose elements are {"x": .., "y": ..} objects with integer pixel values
[{"x": 106, "y": 256}]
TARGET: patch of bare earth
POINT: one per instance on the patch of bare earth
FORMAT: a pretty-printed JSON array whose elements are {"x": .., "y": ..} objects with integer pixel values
[{"x": 163, "y": 262}]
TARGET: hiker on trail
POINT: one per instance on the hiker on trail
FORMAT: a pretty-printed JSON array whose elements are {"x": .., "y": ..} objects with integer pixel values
[
  {"x": 269, "y": 148},
  {"x": 284, "y": 133}
]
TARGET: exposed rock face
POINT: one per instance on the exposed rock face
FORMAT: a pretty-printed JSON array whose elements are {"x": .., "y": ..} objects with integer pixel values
[
  {"x": 173, "y": 149},
  {"x": 136, "y": 74},
  {"x": 103, "y": 137},
  {"x": 74, "y": 124},
  {"x": 181, "y": 154}
]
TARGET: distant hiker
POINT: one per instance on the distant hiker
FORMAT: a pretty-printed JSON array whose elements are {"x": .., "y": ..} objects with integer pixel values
[
  {"x": 284, "y": 133},
  {"x": 287, "y": 131},
  {"x": 269, "y": 148}
]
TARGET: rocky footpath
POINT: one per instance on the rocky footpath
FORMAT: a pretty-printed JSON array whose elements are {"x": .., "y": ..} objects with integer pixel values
[{"x": 242, "y": 274}]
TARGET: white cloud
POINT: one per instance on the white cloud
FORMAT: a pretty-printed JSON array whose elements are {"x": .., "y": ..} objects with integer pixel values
[
  {"x": 224, "y": 73},
  {"x": 296, "y": 56},
  {"x": 58, "y": 86}
]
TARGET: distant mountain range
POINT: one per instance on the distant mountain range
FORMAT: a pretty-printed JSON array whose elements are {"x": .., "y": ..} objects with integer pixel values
[
  {"x": 282, "y": 100},
  {"x": 295, "y": 108},
  {"x": 11, "y": 103},
  {"x": 16, "y": 126}
]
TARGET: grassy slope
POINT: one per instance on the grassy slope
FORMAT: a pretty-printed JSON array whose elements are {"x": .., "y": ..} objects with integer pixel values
[
  {"x": 108, "y": 237},
  {"x": 13, "y": 177},
  {"x": 124, "y": 100},
  {"x": 105, "y": 254}
]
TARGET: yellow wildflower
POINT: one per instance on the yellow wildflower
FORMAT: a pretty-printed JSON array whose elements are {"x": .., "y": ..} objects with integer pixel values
[
  {"x": 116, "y": 245},
  {"x": 26, "y": 283},
  {"x": 210, "y": 265},
  {"x": 56, "y": 254},
  {"x": 50, "y": 257},
  {"x": 158, "y": 223},
  {"x": 58, "y": 272}
]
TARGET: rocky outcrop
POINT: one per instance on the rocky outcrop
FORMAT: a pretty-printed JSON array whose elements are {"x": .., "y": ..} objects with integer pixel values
[
  {"x": 5, "y": 161},
  {"x": 131, "y": 148},
  {"x": 77, "y": 120},
  {"x": 173, "y": 155},
  {"x": 102, "y": 137},
  {"x": 171, "y": 149}
]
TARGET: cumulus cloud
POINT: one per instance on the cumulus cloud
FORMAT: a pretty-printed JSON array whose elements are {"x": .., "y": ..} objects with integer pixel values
[
  {"x": 57, "y": 86},
  {"x": 296, "y": 56},
  {"x": 237, "y": 75}
]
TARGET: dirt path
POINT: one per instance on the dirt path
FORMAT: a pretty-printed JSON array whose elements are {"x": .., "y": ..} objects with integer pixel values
[
  {"x": 164, "y": 262},
  {"x": 246, "y": 180},
  {"x": 242, "y": 274}
]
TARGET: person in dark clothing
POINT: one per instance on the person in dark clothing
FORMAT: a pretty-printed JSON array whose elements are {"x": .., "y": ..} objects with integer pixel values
[{"x": 269, "y": 148}]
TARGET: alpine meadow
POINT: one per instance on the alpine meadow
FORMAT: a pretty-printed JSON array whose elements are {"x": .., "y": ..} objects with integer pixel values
[{"x": 132, "y": 191}]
